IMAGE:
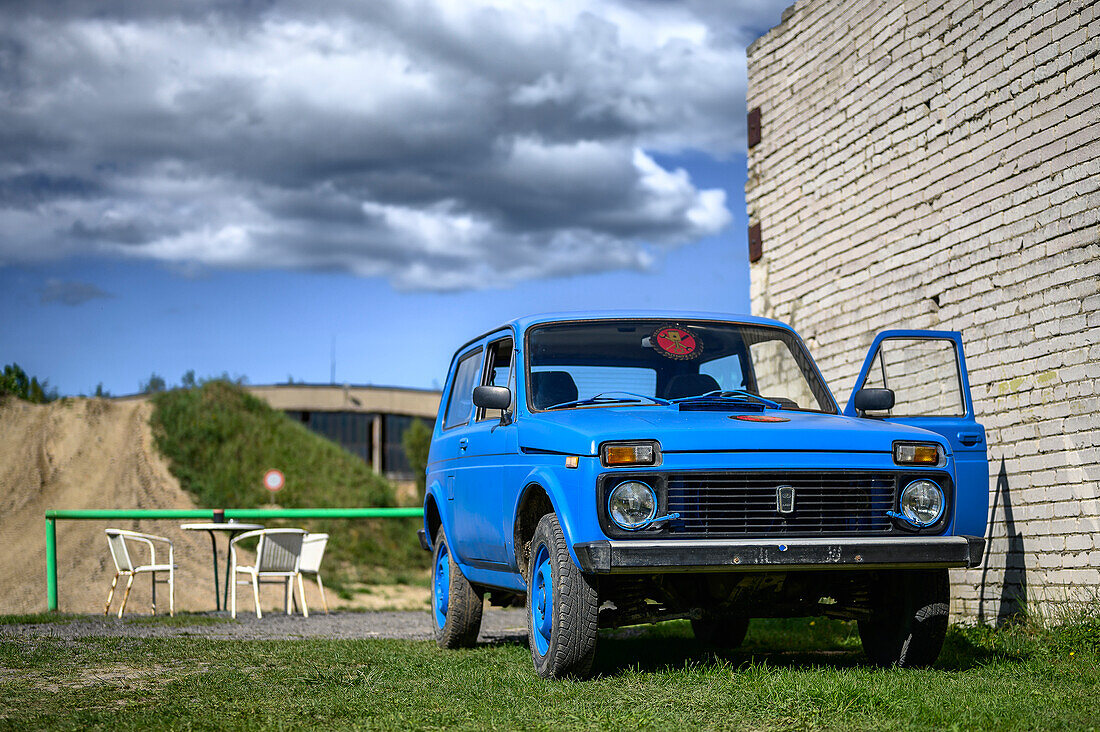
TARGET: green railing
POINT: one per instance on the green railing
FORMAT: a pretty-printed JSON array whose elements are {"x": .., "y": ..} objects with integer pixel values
[{"x": 52, "y": 517}]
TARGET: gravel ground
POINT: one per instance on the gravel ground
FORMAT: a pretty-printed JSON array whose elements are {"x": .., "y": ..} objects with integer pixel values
[{"x": 497, "y": 626}]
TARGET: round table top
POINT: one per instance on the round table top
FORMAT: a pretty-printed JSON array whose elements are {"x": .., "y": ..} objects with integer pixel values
[{"x": 223, "y": 526}]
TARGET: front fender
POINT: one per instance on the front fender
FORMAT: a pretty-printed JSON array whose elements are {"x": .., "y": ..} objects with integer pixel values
[{"x": 573, "y": 502}]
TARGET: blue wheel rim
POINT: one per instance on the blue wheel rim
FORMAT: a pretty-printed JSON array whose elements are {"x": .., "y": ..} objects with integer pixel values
[
  {"x": 441, "y": 586},
  {"x": 542, "y": 601}
]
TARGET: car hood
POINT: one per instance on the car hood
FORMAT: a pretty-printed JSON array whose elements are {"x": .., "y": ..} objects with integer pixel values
[{"x": 581, "y": 431}]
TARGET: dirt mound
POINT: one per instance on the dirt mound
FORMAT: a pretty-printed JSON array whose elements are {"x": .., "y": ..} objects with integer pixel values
[{"x": 91, "y": 453}]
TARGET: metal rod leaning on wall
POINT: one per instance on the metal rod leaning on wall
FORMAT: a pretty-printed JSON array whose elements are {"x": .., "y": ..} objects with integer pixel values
[{"x": 53, "y": 516}]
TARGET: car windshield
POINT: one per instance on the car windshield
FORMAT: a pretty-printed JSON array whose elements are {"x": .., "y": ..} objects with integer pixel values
[{"x": 648, "y": 362}]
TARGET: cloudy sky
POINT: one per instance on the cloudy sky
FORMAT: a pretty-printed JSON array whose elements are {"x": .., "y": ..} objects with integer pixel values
[{"x": 248, "y": 186}]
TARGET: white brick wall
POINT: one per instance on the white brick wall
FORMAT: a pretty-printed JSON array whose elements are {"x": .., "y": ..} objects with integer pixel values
[{"x": 937, "y": 165}]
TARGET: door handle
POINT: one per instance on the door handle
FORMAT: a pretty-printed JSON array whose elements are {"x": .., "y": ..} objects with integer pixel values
[
  {"x": 463, "y": 443},
  {"x": 970, "y": 438}
]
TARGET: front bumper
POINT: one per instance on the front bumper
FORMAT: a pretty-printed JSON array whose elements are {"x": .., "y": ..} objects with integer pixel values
[{"x": 721, "y": 555}]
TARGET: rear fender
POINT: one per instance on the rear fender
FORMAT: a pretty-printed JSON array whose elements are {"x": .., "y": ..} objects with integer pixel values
[{"x": 434, "y": 501}]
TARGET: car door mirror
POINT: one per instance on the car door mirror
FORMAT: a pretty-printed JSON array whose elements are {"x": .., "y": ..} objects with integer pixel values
[
  {"x": 875, "y": 400},
  {"x": 492, "y": 397}
]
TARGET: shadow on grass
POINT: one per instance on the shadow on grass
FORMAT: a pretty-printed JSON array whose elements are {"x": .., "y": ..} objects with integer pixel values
[
  {"x": 1019, "y": 642},
  {"x": 782, "y": 643},
  {"x": 617, "y": 655},
  {"x": 778, "y": 643},
  {"x": 505, "y": 639},
  {"x": 38, "y": 618}
]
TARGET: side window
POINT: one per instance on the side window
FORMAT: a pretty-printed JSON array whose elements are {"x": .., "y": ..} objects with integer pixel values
[
  {"x": 461, "y": 401},
  {"x": 498, "y": 368},
  {"x": 924, "y": 375}
]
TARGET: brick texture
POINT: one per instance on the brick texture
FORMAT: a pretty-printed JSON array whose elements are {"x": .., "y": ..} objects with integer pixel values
[{"x": 937, "y": 165}]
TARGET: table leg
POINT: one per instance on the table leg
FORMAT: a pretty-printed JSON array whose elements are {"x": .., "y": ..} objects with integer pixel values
[{"x": 214, "y": 551}]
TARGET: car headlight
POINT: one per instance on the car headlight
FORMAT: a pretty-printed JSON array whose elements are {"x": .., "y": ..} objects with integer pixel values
[
  {"x": 922, "y": 502},
  {"x": 916, "y": 453},
  {"x": 614, "y": 454},
  {"x": 632, "y": 504}
]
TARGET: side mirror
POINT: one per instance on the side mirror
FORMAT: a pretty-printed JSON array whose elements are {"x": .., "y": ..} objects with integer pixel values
[
  {"x": 492, "y": 397},
  {"x": 875, "y": 400}
]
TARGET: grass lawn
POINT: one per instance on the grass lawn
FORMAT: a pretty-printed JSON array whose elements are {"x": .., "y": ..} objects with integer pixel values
[{"x": 798, "y": 674}]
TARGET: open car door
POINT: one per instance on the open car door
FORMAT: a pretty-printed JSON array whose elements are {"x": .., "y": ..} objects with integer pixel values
[{"x": 926, "y": 370}]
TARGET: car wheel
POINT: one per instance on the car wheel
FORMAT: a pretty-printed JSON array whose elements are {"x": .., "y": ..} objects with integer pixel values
[
  {"x": 456, "y": 607},
  {"x": 562, "y": 607},
  {"x": 909, "y": 620},
  {"x": 722, "y": 631}
]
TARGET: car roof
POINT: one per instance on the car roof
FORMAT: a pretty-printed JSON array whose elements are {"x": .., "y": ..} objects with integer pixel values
[{"x": 521, "y": 324}]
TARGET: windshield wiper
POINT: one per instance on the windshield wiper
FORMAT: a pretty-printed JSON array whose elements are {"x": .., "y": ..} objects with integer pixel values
[
  {"x": 611, "y": 397},
  {"x": 733, "y": 395}
]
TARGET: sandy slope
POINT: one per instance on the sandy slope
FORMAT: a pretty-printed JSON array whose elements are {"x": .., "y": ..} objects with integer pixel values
[{"x": 88, "y": 453}]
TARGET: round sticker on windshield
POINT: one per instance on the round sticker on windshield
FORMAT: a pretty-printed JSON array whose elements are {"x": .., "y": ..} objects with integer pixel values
[{"x": 675, "y": 342}]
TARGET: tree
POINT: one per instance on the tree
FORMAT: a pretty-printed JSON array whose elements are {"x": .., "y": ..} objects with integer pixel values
[
  {"x": 154, "y": 384},
  {"x": 100, "y": 392},
  {"x": 239, "y": 380},
  {"x": 187, "y": 381},
  {"x": 416, "y": 441},
  {"x": 36, "y": 393},
  {"x": 15, "y": 381}
]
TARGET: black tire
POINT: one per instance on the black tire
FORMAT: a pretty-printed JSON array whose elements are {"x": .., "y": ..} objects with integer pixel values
[
  {"x": 720, "y": 631},
  {"x": 910, "y": 618},
  {"x": 563, "y": 640},
  {"x": 458, "y": 624}
]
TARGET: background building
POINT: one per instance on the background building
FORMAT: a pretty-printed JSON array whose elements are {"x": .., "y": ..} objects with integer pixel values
[
  {"x": 937, "y": 165},
  {"x": 368, "y": 421}
]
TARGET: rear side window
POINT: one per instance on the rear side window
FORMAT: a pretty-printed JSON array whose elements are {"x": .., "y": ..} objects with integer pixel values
[
  {"x": 461, "y": 401},
  {"x": 593, "y": 380}
]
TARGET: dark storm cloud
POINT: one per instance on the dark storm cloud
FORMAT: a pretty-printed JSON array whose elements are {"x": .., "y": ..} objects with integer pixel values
[
  {"x": 442, "y": 145},
  {"x": 29, "y": 189},
  {"x": 70, "y": 293}
]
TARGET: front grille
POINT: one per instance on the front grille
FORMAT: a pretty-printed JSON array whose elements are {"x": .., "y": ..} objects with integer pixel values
[{"x": 744, "y": 504}]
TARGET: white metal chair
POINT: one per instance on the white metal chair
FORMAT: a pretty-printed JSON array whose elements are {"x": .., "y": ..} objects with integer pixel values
[
  {"x": 124, "y": 565},
  {"x": 278, "y": 554},
  {"x": 313, "y": 550}
]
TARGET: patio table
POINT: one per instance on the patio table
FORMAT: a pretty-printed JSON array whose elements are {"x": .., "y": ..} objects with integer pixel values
[{"x": 232, "y": 528}]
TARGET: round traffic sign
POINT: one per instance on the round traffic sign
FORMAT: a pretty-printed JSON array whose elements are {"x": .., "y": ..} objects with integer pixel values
[{"x": 273, "y": 480}]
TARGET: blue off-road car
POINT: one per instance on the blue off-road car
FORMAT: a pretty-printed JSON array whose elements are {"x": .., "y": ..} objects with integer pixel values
[{"x": 610, "y": 469}]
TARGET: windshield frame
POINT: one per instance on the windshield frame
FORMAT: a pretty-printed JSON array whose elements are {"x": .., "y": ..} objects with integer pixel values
[{"x": 825, "y": 391}]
